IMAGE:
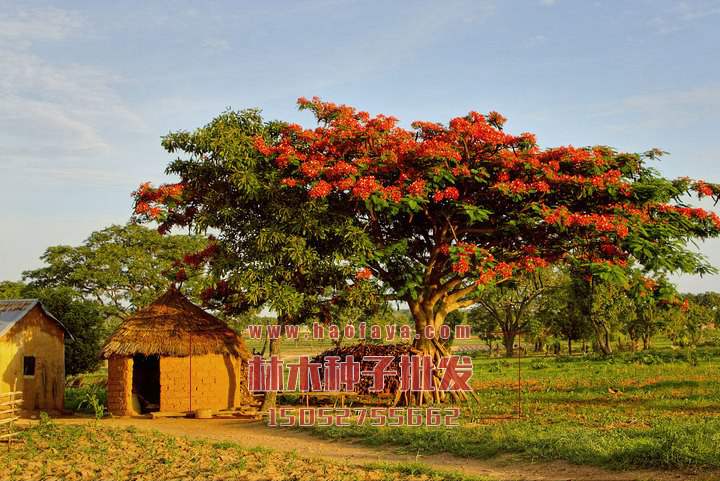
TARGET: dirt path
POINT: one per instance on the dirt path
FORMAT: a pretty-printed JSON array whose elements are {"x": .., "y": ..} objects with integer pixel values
[{"x": 504, "y": 468}]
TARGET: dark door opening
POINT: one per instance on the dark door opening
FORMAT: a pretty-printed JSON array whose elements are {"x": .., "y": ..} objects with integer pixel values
[{"x": 146, "y": 382}]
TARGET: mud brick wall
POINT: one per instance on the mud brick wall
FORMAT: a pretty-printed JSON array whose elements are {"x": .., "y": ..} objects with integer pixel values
[
  {"x": 119, "y": 387},
  {"x": 218, "y": 382}
]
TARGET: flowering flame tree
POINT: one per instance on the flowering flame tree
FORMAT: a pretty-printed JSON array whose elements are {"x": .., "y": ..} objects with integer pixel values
[{"x": 444, "y": 210}]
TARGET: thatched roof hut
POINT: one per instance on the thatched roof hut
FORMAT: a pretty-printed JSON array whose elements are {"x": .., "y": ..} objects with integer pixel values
[
  {"x": 174, "y": 356},
  {"x": 172, "y": 326}
]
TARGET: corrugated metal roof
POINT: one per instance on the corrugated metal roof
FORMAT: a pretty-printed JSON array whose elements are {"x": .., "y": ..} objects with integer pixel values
[{"x": 12, "y": 310}]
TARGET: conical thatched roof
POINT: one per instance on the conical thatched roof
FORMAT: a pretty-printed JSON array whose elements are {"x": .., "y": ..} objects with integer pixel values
[{"x": 169, "y": 327}]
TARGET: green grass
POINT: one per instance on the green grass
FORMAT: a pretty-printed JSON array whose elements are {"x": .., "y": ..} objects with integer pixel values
[
  {"x": 665, "y": 445},
  {"x": 82, "y": 388},
  {"x": 78, "y": 399},
  {"x": 658, "y": 409}
]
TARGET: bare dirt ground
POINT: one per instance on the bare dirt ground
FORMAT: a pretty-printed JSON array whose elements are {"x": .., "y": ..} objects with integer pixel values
[{"x": 503, "y": 468}]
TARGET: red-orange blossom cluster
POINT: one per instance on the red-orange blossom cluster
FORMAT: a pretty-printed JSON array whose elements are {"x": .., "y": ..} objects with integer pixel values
[
  {"x": 441, "y": 172},
  {"x": 355, "y": 156}
]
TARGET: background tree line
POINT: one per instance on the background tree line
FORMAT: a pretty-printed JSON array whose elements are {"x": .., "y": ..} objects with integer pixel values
[
  {"x": 92, "y": 287},
  {"x": 553, "y": 306}
]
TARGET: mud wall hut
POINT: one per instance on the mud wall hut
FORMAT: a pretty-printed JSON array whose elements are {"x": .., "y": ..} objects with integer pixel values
[
  {"x": 32, "y": 354},
  {"x": 174, "y": 357}
]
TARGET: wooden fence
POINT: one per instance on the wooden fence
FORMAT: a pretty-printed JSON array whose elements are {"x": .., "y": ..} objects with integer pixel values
[{"x": 10, "y": 403}]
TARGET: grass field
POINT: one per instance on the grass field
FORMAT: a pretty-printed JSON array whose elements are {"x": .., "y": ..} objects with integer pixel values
[
  {"x": 650, "y": 409},
  {"x": 72, "y": 453},
  {"x": 654, "y": 409}
]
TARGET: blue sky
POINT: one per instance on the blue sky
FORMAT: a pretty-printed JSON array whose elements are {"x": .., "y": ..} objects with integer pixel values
[{"x": 88, "y": 88}]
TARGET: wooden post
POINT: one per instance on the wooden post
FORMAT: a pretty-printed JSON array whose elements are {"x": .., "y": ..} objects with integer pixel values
[
  {"x": 191, "y": 353},
  {"x": 519, "y": 400}
]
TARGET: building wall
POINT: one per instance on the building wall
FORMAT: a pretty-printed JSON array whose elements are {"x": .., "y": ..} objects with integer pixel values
[
  {"x": 39, "y": 336},
  {"x": 218, "y": 382},
  {"x": 119, "y": 386}
]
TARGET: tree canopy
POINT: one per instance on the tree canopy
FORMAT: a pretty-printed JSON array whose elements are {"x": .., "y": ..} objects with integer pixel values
[
  {"x": 121, "y": 267},
  {"x": 271, "y": 247}
]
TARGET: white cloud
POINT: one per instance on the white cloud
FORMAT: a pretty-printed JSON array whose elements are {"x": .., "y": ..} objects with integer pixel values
[
  {"x": 39, "y": 24},
  {"x": 681, "y": 15},
  {"x": 399, "y": 38},
  {"x": 675, "y": 108},
  {"x": 51, "y": 114},
  {"x": 216, "y": 45},
  {"x": 684, "y": 105}
]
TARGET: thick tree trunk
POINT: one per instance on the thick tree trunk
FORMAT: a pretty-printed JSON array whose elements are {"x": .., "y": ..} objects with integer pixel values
[
  {"x": 425, "y": 316},
  {"x": 569, "y": 346},
  {"x": 509, "y": 343},
  {"x": 602, "y": 336},
  {"x": 646, "y": 342},
  {"x": 270, "y": 399},
  {"x": 606, "y": 341}
]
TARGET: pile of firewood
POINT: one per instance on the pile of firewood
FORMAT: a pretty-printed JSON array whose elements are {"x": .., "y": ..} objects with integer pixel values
[{"x": 358, "y": 351}]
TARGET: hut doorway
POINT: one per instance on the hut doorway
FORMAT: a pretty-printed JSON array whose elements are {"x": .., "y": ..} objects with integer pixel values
[{"x": 146, "y": 382}]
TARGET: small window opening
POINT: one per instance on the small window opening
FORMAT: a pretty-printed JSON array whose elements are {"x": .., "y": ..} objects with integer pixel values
[{"x": 29, "y": 366}]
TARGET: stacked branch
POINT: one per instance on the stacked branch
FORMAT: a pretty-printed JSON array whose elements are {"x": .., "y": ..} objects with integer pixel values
[{"x": 392, "y": 382}]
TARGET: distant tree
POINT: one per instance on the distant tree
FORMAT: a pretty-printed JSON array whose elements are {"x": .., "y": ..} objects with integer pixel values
[
  {"x": 485, "y": 325},
  {"x": 452, "y": 320},
  {"x": 512, "y": 304},
  {"x": 685, "y": 325},
  {"x": 604, "y": 305},
  {"x": 710, "y": 300},
  {"x": 11, "y": 289},
  {"x": 83, "y": 318},
  {"x": 650, "y": 298},
  {"x": 561, "y": 313},
  {"x": 121, "y": 267}
]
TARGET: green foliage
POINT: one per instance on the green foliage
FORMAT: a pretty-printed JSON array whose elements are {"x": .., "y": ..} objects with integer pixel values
[
  {"x": 538, "y": 364},
  {"x": 122, "y": 268},
  {"x": 11, "y": 290},
  {"x": 688, "y": 327},
  {"x": 93, "y": 402},
  {"x": 512, "y": 306},
  {"x": 275, "y": 250},
  {"x": 709, "y": 300},
  {"x": 561, "y": 311},
  {"x": 46, "y": 426}
]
